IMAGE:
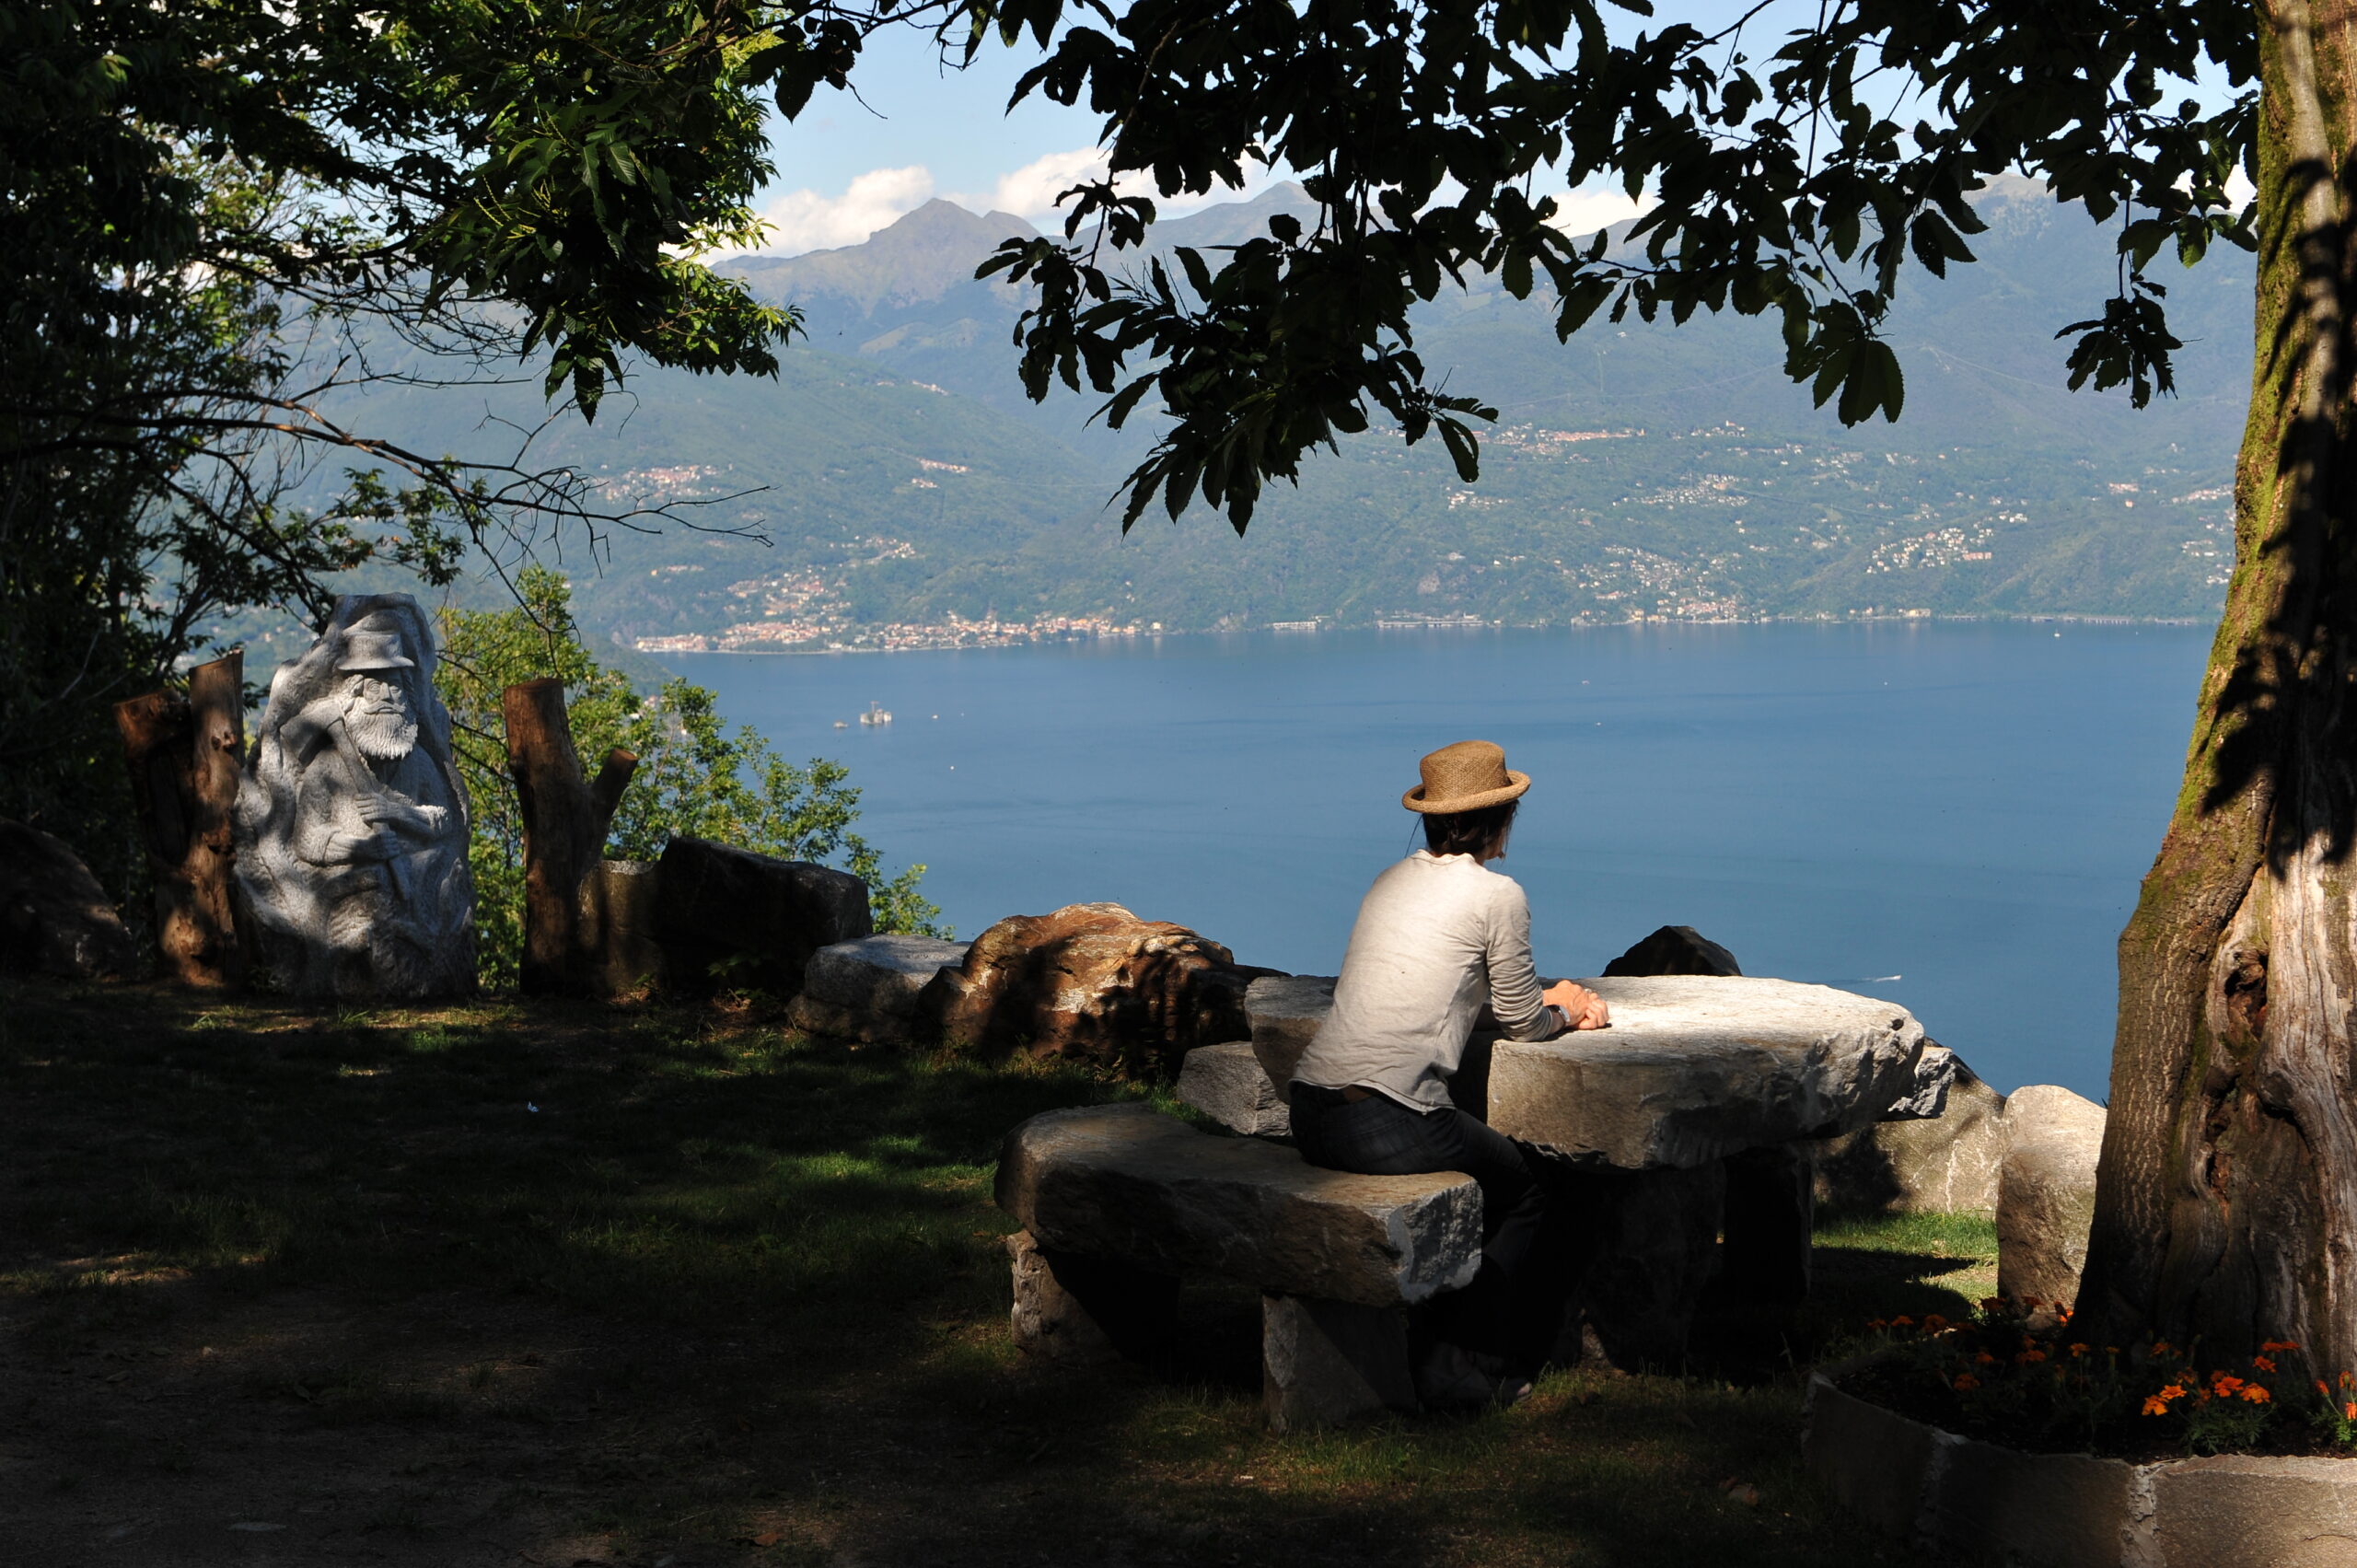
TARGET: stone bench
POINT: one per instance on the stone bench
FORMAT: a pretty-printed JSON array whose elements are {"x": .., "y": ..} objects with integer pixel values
[
  {"x": 1117, "y": 1202},
  {"x": 1685, "y": 1119}
]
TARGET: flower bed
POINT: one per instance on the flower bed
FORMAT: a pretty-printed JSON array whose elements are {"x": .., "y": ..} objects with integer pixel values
[
  {"x": 1957, "y": 1438},
  {"x": 2019, "y": 1375}
]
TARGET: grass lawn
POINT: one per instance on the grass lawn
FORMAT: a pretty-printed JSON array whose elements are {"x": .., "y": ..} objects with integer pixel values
[{"x": 562, "y": 1285}]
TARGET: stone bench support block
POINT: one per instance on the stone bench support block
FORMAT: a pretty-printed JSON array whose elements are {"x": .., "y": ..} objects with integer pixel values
[
  {"x": 1087, "y": 1311},
  {"x": 1326, "y": 1362},
  {"x": 1126, "y": 1183},
  {"x": 1226, "y": 1084},
  {"x": 1695, "y": 1068}
]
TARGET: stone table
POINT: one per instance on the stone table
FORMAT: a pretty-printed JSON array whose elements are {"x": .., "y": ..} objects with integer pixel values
[{"x": 1679, "y": 1120}]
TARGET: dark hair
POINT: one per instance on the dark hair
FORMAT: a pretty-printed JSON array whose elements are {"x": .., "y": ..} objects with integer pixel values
[{"x": 1481, "y": 834}]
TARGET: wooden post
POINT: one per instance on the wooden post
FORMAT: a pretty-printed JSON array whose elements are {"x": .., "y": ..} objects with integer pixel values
[
  {"x": 564, "y": 835},
  {"x": 184, "y": 756}
]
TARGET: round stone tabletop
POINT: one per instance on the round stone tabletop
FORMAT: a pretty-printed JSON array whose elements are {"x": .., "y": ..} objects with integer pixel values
[{"x": 1696, "y": 1067}]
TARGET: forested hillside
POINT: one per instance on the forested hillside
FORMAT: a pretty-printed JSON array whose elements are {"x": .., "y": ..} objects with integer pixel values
[{"x": 893, "y": 485}]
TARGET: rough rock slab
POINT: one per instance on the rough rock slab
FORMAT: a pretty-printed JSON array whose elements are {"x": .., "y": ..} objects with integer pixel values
[
  {"x": 55, "y": 918},
  {"x": 1947, "y": 1165},
  {"x": 1284, "y": 1012},
  {"x": 1091, "y": 982},
  {"x": 1694, "y": 1068},
  {"x": 2046, "y": 1192},
  {"x": 2243, "y": 1511},
  {"x": 868, "y": 989},
  {"x": 755, "y": 916},
  {"x": 1673, "y": 949},
  {"x": 1325, "y": 1362},
  {"x": 1225, "y": 1083},
  {"x": 1125, "y": 1182}
]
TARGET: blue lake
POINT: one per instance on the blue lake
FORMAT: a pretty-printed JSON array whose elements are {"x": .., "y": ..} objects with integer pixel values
[{"x": 1951, "y": 816}]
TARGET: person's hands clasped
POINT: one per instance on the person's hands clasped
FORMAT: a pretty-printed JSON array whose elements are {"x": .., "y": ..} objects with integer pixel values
[{"x": 1583, "y": 1007}]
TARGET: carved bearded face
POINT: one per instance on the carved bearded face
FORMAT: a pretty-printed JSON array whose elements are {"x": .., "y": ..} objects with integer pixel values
[{"x": 382, "y": 722}]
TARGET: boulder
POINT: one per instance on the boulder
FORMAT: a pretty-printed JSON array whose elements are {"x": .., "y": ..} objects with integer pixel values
[
  {"x": 1284, "y": 1012},
  {"x": 1126, "y": 1184},
  {"x": 2046, "y": 1192},
  {"x": 55, "y": 918},
  {"x": 867, "y": 990},
  {"x": 1947, "y": 1164},
  {"x": 1091, "y": 982},
  {"x": 1695, "y": 1068},
  {"x": 727, "y": 916},
  {"x": 1225, "y": 1083},
  {"x": 1936, "y": 1072},
  {"x": 1673, "y": 949}
]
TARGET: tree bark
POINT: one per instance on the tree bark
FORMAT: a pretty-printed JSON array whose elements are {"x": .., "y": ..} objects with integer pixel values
[
  {"x": 2226, "y": 1205},
  {"x": 564, "y": 835},
  {"x": 184, "y": 754}
]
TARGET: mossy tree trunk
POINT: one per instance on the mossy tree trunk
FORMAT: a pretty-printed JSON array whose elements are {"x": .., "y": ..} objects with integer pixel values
[{"x": 2227, "y": 1204}]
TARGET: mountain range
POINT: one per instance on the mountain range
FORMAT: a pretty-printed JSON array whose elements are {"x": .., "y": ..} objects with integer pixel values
[{"x": 892, "y": 486}]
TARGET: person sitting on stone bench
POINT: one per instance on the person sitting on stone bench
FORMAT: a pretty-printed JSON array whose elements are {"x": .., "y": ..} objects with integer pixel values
[{"x": 1437, "y": 936}]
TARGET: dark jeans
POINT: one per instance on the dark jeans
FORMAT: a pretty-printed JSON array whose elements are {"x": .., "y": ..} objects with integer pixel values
[{"x": 1514, "y": 1304}]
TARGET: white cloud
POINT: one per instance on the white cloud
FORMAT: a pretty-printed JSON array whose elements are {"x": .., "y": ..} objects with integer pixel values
[
  {"x": 1031, "y": 191},
  {"x": 1584, "y": 210},
  {"x": 807, "y": 220}
]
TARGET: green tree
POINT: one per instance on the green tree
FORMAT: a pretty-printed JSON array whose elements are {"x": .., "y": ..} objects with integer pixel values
[
  {"x": 220, "y": 215},
  {"x": 694, "y": 777}
]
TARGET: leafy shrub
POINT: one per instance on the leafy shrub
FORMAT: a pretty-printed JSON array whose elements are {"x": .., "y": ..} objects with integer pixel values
[{"x": 695, "y": 777}]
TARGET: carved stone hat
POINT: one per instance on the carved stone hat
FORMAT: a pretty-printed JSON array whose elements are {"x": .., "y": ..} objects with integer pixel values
[
  {"x": 1465, "y": 777},
  {"x": 373, "y": 642}
]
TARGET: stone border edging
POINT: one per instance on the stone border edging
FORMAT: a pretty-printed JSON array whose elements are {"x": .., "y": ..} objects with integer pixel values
[{"x": 1980, "y": 1502}]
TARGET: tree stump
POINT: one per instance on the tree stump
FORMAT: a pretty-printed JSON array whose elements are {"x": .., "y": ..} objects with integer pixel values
[
  {"x": 564, "y": 835},
  {"x": 184, "y": 753}
]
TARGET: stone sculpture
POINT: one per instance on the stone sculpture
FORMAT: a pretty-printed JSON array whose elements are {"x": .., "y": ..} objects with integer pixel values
[{"x": 351, "y": 822}]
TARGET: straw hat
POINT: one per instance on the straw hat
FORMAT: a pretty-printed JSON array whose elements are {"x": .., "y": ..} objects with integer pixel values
[
  {"x": 1465, "y": 777},
  {"x": 373, "y": 642}
]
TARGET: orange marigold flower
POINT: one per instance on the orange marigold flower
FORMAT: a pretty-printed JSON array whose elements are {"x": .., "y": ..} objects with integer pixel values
[
  {"x": 2225, "y": 1383},
  {"x": 2262, "y": 1364},
  {"x": 2161, "y": 1347},
  {"x": 2322, "y": 1389},
  {"x": 1934, "y": 1322},
  {"x": 2346, "y": 1380},
  {"x": 2158, "y": 1404},
  {"x": 2349, "y": 1410},
  {"x": 1903, "y": 1322},
  {"x": 1985, "y": 1359},
  {"x": 2077, "y": 1350},
  {"x": 2256, "y": 1395},
  {"x": 1877, "y": 1324},
  {"x": 2030, "y": 1357},
  {"x": 1966, "y": 1382},
  {"x": 2270, "y": 1347}
]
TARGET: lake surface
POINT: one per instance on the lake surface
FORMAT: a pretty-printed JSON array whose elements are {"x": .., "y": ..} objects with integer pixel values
[{"x": 1954, "y": 816}]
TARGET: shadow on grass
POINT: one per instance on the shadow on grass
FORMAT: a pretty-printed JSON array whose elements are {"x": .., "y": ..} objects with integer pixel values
[{"x": 631, "y": 1283}]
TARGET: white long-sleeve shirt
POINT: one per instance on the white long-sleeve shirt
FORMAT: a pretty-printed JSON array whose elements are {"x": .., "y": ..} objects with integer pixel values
[{"x": 1436, "y": 937}]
